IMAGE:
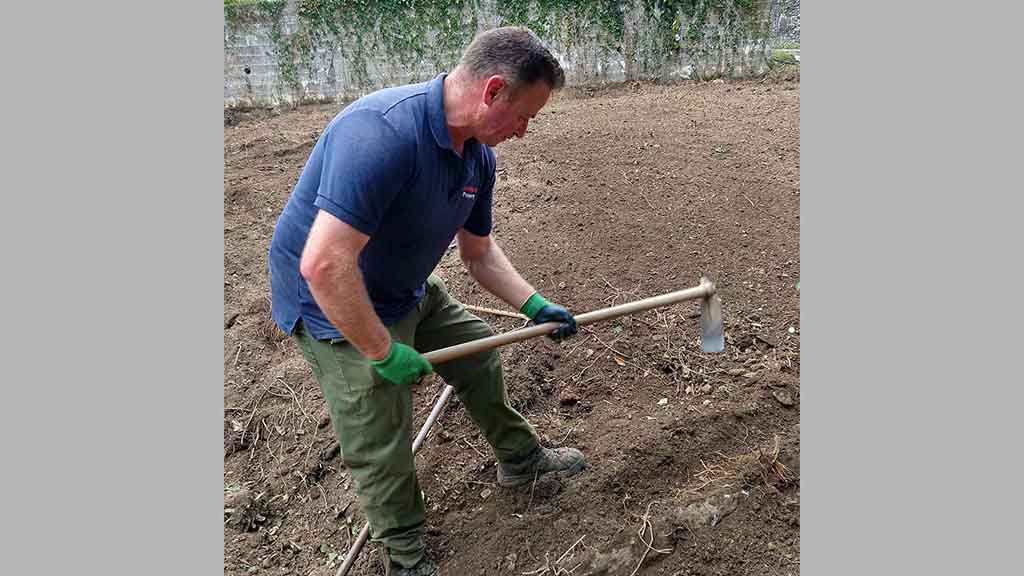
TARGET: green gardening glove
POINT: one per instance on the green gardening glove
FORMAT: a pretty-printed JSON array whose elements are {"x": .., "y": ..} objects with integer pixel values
[
  {"x": 402, "y": 365},
  {"x": 540, "y": 311}
]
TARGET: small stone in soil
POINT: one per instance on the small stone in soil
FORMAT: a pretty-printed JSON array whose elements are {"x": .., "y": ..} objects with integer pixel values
[
  {"x": 568, "y": 399},
  {"x": 784, "y": 397}
]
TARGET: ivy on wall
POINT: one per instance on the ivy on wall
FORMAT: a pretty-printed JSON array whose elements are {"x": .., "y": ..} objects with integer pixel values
[
  {"x": 422, "y": 37},
  {"x": 411, "y": 33},
  {"x": 557, "y": 19}
]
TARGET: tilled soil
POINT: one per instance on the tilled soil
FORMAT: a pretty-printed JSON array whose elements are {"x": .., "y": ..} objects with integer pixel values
[{"x": 616, "y": 194}]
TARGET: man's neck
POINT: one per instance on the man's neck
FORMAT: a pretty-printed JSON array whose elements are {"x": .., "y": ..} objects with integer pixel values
[{"x": 456, "y": 111}]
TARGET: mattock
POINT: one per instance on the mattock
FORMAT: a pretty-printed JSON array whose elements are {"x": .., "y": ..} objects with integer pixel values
[{"x": 712, "y": 339}]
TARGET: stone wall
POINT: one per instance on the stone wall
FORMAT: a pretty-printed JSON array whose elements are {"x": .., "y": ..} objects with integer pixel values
[
  {"x": 292, "y": 51},
  {"x": 786, "y": 25}
]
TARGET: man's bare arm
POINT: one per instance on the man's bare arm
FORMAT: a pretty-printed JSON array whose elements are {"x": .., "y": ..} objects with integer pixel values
[
  {"x": 489, "y": 266},
  {"x": 330, "y": 264}
]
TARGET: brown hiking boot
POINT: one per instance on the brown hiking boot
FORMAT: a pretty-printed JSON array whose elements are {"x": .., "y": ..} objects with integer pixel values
[
  {"x": 425, "y": 567},
  {"x": 422, "y": 568},
  {"x": 568, "y": 460}
]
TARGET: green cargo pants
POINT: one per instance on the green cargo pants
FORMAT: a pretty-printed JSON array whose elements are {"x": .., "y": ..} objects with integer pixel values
[{"x": 373, "y": 417}]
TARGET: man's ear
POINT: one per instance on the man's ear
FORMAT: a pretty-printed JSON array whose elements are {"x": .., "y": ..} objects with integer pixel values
[{"x": 494, "y": 86}]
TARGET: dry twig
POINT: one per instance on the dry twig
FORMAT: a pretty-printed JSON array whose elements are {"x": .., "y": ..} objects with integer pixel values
[
  {"x": 309, "y": 449},
  {"x": 646, "y": 200},
  {"x": 255, "y": 407},
  {"x": 756, "y": 207},
  {"x": 570, "y": 549},
  {"x": 566, "y": 437},
  {"x": 645, "y": 525},
  {"x": 543, "y": 569},
  {"x": 575, "y": 347},
  {"x": 608, "y": 346},
  {"x": 321, "y": 487},
  {"x": 532, "y": 488},
  {"x": 306, "y": 416},
  {"x": 475, "y": 449}
]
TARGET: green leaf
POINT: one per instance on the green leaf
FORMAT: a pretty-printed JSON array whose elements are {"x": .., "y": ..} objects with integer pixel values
[{"x": 617, "y": 329}]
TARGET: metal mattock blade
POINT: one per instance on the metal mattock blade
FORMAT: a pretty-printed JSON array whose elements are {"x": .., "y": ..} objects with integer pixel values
[{"x": 712, "y": 330}]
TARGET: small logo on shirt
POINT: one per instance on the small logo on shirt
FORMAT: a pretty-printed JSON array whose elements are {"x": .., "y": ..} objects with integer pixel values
[{"x": 469, "y": 192}]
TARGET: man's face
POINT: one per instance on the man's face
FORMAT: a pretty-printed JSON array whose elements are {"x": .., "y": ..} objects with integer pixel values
[{"x": 501, "y": 117}]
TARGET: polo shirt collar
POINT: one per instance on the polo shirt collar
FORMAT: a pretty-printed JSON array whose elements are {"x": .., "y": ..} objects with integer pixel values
[{"x": 435, "y": 112}]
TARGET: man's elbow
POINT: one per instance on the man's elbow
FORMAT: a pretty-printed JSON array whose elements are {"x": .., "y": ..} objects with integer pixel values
[
  {"x": 471, "y": 259},
  {"x": 316, "y": 268},
  {"x": 308, "y": 267},
  {"x": 472, "y": 254}
]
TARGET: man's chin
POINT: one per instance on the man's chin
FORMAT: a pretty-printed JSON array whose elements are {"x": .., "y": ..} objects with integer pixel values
[{"x": 493, "y": 141}]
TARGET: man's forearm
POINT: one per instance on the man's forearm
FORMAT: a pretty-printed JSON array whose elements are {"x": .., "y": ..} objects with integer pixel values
[
  {"x": 493, "y": 270},
  {"x": 342, "y": 297}
]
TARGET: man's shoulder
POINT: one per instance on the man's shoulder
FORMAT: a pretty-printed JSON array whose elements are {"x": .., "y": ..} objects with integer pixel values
[
  {"x": 409, "y": 98},
  {"x": 390, "y": 113}
]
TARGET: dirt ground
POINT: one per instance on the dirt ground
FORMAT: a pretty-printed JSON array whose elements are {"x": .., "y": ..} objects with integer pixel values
[{"x": 616, "y": 194}]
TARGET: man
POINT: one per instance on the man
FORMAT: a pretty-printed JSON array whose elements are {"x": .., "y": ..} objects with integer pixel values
[{"x": 392, "y": 180}]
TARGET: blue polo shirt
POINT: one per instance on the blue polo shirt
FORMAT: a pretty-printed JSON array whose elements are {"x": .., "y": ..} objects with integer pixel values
[{"x": 385, "y": 165}]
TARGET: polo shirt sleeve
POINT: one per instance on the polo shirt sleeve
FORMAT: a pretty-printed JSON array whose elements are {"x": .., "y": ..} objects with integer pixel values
[
  {"x": 365, "y": 164},
  {"x": 479, "y": 221}
]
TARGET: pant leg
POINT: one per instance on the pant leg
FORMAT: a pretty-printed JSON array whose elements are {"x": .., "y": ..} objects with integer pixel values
[
  {"x": 477, "y": 378},
  {"x": 372, "y": 419}
]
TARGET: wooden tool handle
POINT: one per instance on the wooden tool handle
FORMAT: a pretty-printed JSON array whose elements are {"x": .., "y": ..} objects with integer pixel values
[{"x": 706, "y": 288}]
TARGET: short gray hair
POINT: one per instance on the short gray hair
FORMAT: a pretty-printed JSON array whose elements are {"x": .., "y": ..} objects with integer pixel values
[{"x": 515, "y": 53}]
